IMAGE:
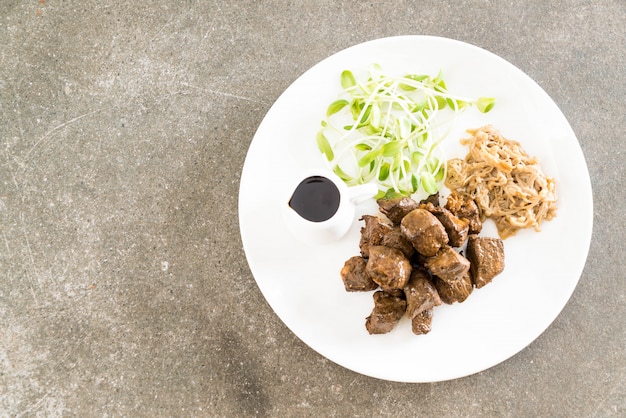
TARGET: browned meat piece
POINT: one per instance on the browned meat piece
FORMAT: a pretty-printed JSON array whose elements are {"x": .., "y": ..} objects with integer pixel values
[
  {"x": 456, "y": 228},
  {"x": 432, "y": 199},
  {"x": 448, "y": 264},
  {"x": 372, "y": 233},
  {"x": 454, "y": 291},
  {"x": 398, "y": 293},
  {"x": 354, "y": 276},
  {"x": 396, "y": 208},
  {"x": 486, "y": 256},
  {"x": 421, "y": 324},
  {"x": 424, "y": 231},
  {"x": 420, "y": 294},
  {"x": 387, "y": 312},
  {"x": 396, "y": 239},
  {"x": 464, "y": 207},
  {"x": 388, "y": 267}
]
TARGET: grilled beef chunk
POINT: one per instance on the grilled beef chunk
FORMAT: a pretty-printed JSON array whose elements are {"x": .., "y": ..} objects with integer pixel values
[
  {"x": 424, "y": 231},
  {"x": 387, "y": 312},
  {"x": 448, "y": 264},
  {"x": 421, "y": 324},
  {"x": 395, "y": 209},
  {"x": 354, "y": 276},
  {"x": 456, "y": 228},
  {"x": 486, "y": 256},
  {"x": 388, "y": 267},
  {"x": 372, "y": 233},
  {"x": 420, "y": 294},
  {"x": 396, "y": 239},
  {"x": 465, "y": 208},
  {"x": 398, "y": 293},
  {"x": 454, "y": 291},
  {"x": 432, "y": 199},
  {"x": 410, "y": 256}
]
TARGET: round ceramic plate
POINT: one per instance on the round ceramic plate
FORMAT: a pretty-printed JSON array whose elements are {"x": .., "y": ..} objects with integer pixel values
[{"x": 301, "y": 281}]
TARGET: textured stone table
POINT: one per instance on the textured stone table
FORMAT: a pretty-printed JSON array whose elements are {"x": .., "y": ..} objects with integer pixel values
[{"x": 124, "y": 290}]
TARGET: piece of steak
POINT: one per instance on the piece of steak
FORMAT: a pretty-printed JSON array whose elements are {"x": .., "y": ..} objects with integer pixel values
[
  {"x": 372, "y": 233},
  {"x": 447, "y": 264},
  {"x": 394, "y": 238},
  {"x": 486, "y": 256},
  {"x": 420, "y": 294},
  {"x": 424, "y": 231},
  {"x": 387, "y": 312},
  {"x": 399, "y": 293},
  {"x": 388, "y": 267},
  {"x": 464, "y": 207},
  {"x": 454, "y": 291},
  {"x": 456, "y": 228},
  {"x": 422, "y": 322},
  {"x": 433, "y": 199},
  {"x": 396, "y": 208},
  {"x": 354, "y": 276}
]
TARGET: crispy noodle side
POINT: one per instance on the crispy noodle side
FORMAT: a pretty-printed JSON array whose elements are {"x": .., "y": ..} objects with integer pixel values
[{"x": 507, "y": 185}]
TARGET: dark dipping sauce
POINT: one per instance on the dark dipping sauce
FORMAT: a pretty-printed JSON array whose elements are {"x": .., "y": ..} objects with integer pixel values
[{"x": 316, "y": 199}]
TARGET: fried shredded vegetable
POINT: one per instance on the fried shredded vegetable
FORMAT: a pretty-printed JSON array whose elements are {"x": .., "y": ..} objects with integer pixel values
[{"x": 507, "y": 184}]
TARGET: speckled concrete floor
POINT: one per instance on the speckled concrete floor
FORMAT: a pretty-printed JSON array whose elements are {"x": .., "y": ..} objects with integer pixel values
[{"x": 124, "y": 290}]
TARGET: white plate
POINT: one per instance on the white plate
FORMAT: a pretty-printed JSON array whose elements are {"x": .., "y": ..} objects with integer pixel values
[{"x": 301, "y": 282}]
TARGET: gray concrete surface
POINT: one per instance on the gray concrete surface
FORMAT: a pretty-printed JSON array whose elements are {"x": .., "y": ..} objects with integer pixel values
[{"x": 124, "y": 290}]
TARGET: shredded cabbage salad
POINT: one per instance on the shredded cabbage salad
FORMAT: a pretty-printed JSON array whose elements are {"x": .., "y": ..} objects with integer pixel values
[{"x": 387, "y": 129}]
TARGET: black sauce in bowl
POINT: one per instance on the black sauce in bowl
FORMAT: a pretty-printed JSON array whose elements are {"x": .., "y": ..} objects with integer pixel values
[{"x": 315, "y": 199}]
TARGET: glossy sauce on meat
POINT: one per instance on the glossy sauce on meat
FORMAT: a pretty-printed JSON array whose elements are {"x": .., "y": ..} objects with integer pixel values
[{"x": 414, "y": 255}]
